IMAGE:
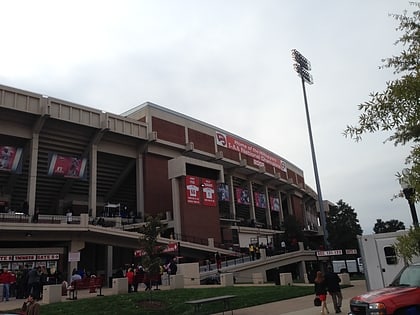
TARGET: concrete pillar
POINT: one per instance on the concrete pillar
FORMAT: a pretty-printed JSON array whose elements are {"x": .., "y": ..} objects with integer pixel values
[
  {"x": 84, "y": 219},
  {"x": 119, "y": 286},
  {"x": 109, "y": 266},
  {"x": 140, "y": 184},
  {"x": 176, "y": 281},
  {"x": 51, "y": 293},
  {"x": 176, "y": 206},
  {"x": 257, "y": 278},
  {"x": 226, "y": 280},
  {"x": 33, "y": 170},
  {"x": 93, "y": 165},
  {"x": 75, "y": 246},
  {"x": 286, "y": 279}
]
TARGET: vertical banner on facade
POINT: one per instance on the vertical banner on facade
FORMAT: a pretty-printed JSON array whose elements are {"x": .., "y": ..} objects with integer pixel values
[
  {"x": 209, "y": 192},
  {"x": 242, "y": 196},
  {"x": 66, "y": 166},
  {"x": 260, "y": 200},
  {"x": 223, "y": 192},
  {"x": 10, "y": 159},
  {"x": 192, "y": 185},
  {"x": 274, "y": 204}
]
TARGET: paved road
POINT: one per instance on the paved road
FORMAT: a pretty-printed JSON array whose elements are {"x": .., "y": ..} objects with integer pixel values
[{"x": 298, "y": 306}]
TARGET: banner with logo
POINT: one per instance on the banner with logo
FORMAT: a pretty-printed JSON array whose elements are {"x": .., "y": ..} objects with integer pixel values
[
  {"x": 209, "y": 192},
  {"x": 223, "y": 192},
  {"x": 260, "y": 156},
  {"x": 10, "y": 159},
  {"x": 66, "y": 166},
  {"x": 275, "y": 204},
  {"x": 260, "y": 200},
  {"x": 192, "y": 185},
  {"x": 242, "y": 196}
]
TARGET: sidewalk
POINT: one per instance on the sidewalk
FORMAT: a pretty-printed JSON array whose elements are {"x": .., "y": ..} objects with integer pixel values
[
  {"x": 304, "y": 305},
  {"x": 298, "y": 306}
]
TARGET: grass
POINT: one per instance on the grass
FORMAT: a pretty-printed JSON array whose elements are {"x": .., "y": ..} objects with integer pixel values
[{"x": 173, "y": 301}]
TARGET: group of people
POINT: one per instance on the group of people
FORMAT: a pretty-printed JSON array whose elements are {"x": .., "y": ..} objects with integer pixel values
[
  {"x": 328, "y": 283},
  {"x": 137, "y": 275},
  {"x": 26, "y": 281}
]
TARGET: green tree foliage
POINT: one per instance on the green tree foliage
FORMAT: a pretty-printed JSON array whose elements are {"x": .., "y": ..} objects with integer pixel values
[
  {"x": 388, "y": 226},
  {"x": 149, "y": 244},
  {"x": 343, "y": 226},
  {"x": 397, "y": 109},
  {"x": 407, "y": 246}
]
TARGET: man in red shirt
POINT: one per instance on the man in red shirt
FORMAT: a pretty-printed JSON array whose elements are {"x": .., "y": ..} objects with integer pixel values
[{"x": 6, "y": 279}]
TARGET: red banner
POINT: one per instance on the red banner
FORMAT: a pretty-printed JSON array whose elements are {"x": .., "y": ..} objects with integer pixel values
[
  {"x": 242, "y": 196},
  {"x": 209, "y": 192},
  {"x": 260, "y": 200},
  {"x": 192, "y": 185},
  {"x": 67, "y": 166},
  {"x": 260, "y": 156},
  {"x": 10, "y": 158}
]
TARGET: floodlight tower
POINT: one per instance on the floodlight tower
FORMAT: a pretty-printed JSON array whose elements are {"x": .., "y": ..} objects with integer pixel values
[{"x": 302, "y": 67}]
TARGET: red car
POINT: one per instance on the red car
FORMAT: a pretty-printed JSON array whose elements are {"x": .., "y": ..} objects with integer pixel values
[{"x": 401, "y": 297}]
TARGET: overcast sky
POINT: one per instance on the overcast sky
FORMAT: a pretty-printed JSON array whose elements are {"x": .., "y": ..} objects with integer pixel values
[{"x": 227, "y": 63}]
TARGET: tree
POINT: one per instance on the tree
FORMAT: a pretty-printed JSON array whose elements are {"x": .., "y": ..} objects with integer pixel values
[
  {"x": 397, "y": 109},
  {"x": 149, "y": 244},
  {"x": 407, "y": 246},
  {"x": 343, "y": 226},
  {"x": 388, "y": 226}
]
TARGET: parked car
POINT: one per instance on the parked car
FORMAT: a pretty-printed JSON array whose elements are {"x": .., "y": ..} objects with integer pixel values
[{"x": 401, "y": 297}]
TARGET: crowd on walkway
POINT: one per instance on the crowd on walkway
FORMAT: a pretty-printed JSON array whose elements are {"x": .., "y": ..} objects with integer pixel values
[{"x": 25, "y": 281}]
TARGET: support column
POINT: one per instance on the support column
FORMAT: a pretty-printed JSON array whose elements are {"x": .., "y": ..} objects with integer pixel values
[
  {"x": 140, "y": 185},
  {"x": 251, "y": 200},
  {"x": 232, "y": 197},
  {"x": 267, "y": 210},
  {"x": 109, "y": 266},
  {"x": 75, "y": 246},
  {"x": 93, "y": 179},
  {"x": 33, "y": 169},
  {"x": 281, "y": 207},
  {"x": 176, "y": 207}
]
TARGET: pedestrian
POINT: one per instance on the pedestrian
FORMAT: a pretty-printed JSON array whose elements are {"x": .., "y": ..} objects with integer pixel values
[
  {"x": 218, "y": 261},
  {"x": 30, "y": 307},
  {"x": 34, "y": 283},
  {"x": 321, "y": 291},
  {"x": 334, "y": 289},
  {"x": 6, "y": 280}
]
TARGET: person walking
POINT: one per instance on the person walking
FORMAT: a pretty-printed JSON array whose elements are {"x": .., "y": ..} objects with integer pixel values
[
  {"x": 321, "y": 291},
  {"x": 333, "y": 285}
]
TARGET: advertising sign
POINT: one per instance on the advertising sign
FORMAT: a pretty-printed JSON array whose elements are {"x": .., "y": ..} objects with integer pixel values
[
  {"x": 10, "y": 159},
  {"x": 209, "y": 192},
  {"x": 260, "y": 156},
  {"x": 192, "y": 184},
  {"x": 66, "y": 166}
]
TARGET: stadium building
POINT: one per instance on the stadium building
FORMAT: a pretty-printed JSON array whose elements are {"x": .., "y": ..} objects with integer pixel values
[{"x": 76, "y": 181}]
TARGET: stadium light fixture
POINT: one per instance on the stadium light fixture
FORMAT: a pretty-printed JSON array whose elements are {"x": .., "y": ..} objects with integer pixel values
[{"x": 302, "y": 66}]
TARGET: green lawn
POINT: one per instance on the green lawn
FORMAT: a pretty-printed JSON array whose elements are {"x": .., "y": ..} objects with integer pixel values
[{"x": 172, "y": 301}]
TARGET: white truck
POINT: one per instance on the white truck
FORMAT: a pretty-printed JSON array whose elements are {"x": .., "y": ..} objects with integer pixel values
[{"x": 380, "y": 261}]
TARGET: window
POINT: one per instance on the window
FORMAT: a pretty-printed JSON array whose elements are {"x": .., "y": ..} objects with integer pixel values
[{"x": 390, "y": 255}]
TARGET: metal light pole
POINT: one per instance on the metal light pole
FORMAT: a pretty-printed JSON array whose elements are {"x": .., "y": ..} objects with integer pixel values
[
  {"x": 409, "y": 194},
  {"x": 302, "y": 67}
]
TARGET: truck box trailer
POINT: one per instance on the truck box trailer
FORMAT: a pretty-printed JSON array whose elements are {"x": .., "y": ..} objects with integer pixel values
[{"x": 380, "y": 261}]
